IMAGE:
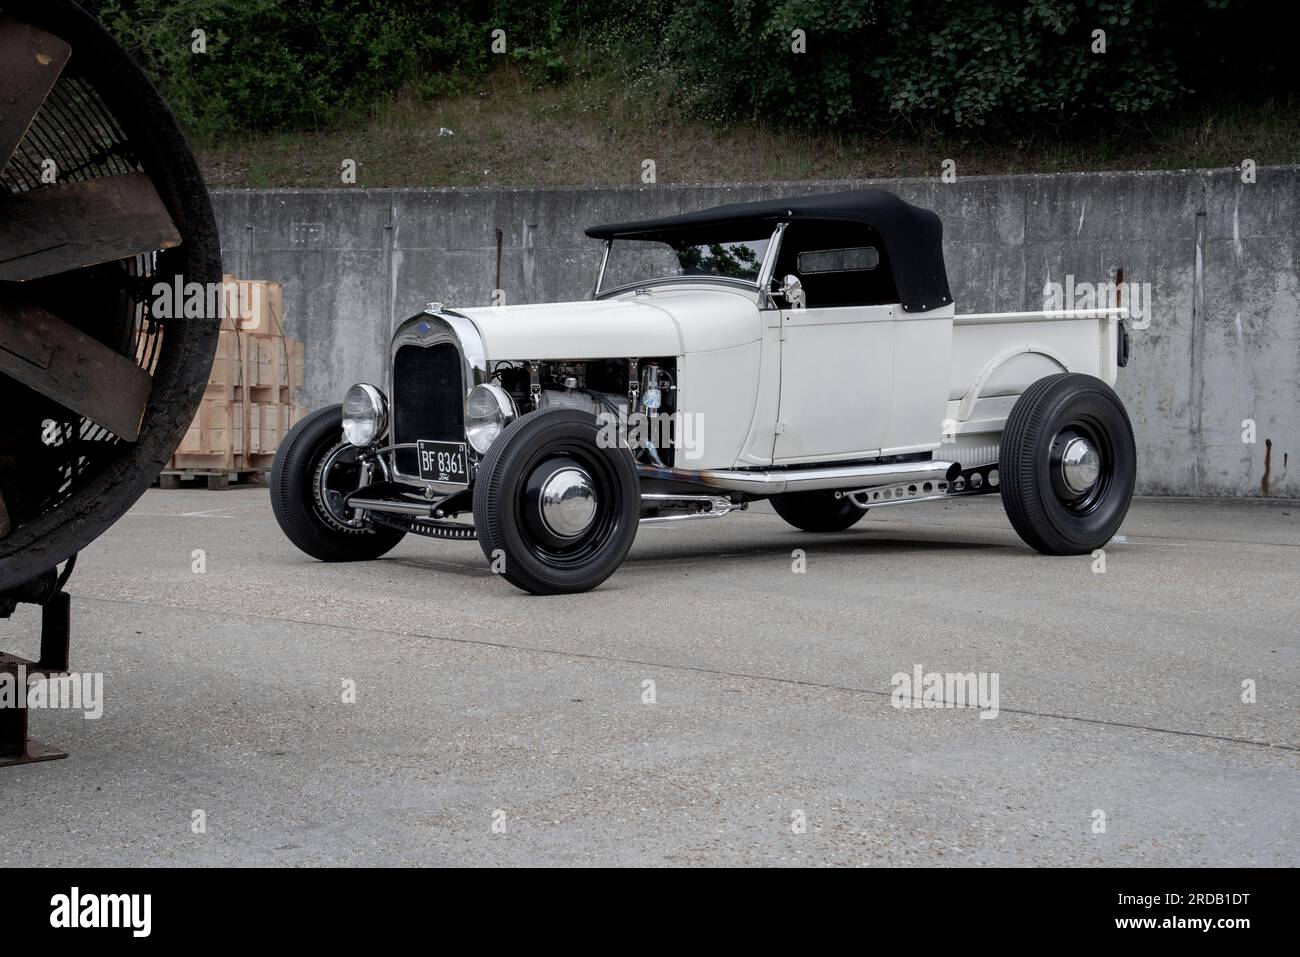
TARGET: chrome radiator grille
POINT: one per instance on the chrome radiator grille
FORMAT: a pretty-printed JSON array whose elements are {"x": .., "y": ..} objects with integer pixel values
[{"x": 428, "y": 398}]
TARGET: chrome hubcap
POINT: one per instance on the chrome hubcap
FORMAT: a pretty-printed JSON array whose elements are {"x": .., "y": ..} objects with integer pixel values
[
  {"x": 568, "y": 502},
  {"x": 1080, "y": 465}
]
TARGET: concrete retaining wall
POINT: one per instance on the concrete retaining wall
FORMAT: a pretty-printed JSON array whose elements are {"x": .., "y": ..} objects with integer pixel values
[{"x": 1222, "y": 259}]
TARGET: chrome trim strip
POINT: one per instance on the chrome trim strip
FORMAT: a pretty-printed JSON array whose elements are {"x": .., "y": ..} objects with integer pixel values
[
  {"x": 882, "y": 496},
  {"x": 678, "y": 280},
  {"x": 769, "y": 266},
  {"x": 974, "y": 318},
  {"x": 388, "y": 505},
  {"x": 654, "y": 497},
  {"x": 811, "y": 479},
  {"x": 761, "y": 283},
  {"x": 718, "y": 506},
  {"x": 856, "y": 499},
  {"x": 393, "y": 448},
  {"x": 600, "y": 275}
]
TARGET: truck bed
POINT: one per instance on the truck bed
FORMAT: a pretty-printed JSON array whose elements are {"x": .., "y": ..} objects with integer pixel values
[{"x": 996, "y": 355}]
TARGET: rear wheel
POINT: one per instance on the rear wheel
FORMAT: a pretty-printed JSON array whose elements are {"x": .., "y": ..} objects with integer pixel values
[
  {"x": 818, "y": 511},
  {"x": 1068, "y": 464},
  {"x": 313, "y": 469},
  {"x": 555, "y": 512}
]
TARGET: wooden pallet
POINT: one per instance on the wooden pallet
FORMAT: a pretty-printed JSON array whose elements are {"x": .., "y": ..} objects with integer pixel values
[{"x": 210, "y": 478}]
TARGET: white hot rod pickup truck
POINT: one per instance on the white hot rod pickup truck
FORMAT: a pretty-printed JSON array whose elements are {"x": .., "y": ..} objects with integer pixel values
[{"x": 803, "y": 351}]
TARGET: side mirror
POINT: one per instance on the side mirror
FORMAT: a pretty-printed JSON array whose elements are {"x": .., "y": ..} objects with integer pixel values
[{"x": 792, "y": 290}]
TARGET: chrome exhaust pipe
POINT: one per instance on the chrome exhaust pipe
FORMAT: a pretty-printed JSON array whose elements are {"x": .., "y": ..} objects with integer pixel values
[{"x": 782, "y": 481}]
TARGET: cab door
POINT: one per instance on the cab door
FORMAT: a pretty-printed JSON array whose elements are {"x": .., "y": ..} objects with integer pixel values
[
  {"x": 837, "y": 381},
  {"x": 837, "y": 351}
]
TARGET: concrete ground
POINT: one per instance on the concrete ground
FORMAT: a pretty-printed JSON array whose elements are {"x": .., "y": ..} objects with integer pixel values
[{"x": 476, "y": 705}]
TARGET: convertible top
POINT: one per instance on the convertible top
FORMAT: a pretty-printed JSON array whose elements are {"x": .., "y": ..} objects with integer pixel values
[{"x": 913, "y": 236}]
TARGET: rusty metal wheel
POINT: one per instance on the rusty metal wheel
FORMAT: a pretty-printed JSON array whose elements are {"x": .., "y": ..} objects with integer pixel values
[{"x": 100, "y": 200}]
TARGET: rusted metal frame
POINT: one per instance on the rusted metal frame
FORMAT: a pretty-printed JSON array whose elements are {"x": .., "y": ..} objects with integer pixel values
[
  {"x": 33, "y": 60},
  {"x": 56, "y": 629},
  {"x": 48, "y": 231},
  {"x": 62, "y": 363}
]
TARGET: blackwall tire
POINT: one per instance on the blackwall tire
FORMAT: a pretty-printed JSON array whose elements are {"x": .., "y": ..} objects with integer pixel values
[
  {"x": 1044, "y": 465},
  {"x": 109, "y": 476},
  {"x": 817, "y": 511},
  {"x": 296, "y": 495},
  {"x": 532, "y": 456}
]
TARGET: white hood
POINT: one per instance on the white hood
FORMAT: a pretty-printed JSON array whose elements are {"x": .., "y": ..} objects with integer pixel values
[
  {"x": 575, "y": 330},
  {"x": 664, "y": 323}
]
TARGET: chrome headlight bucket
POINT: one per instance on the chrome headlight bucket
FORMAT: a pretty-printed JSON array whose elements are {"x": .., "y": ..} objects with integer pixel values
[
  {"x": 365, "y": 414},
  {"x": 488, "y": 410}
]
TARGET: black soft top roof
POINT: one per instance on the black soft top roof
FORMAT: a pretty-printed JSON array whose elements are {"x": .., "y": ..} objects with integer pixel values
[{"x": 913, "y": 236}]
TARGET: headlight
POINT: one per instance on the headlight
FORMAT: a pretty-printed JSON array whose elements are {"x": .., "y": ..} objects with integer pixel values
[
  {"x": 488, "y": 410},
  {"x": 365, "y": 414}
]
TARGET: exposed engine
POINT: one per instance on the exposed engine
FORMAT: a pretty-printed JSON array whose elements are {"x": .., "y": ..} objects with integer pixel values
[{"x": 639, "y": 397}]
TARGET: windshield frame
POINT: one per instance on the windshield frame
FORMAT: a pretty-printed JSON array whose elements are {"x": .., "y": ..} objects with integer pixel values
[{"x": 760, "y": 284}]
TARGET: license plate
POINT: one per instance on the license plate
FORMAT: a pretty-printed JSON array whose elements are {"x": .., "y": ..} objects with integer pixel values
[{"x": 443, "y": 462}]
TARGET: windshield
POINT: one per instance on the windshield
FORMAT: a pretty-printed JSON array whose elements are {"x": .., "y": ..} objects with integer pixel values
[{"x": 642, "y": 261}]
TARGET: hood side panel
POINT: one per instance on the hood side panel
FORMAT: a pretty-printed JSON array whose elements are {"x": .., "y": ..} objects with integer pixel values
[
  {"x": 575, "y": 330},
  {"x": 710, "y": 320}
]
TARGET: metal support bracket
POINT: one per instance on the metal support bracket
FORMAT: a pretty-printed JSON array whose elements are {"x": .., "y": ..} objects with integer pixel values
[
  {"x": 686, "y": 507},
  {"x": 56, "y": 631},
  {"x": 534, "y": 385},
  {"x": 982, "y": 480}
]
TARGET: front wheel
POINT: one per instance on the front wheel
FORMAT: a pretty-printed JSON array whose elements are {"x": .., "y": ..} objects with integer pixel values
[
  {"x": 312, "y": 471},
  {"x": 1067, "y": 464},
  {"x": 555, "y": 511}
]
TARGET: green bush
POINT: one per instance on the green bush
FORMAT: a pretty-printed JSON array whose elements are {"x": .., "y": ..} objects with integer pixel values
[
  {"x": 293, "y": 64},
  {"x": 267, "y": 63},
  {"x": 303, "y": 64},
  {"x": 955, "y": 64}
]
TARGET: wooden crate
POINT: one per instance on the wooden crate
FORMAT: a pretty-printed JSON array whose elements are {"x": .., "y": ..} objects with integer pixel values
[
  {"x": 269, "y": 422},
  {"x": 297, "y": 363},
  {"x": 274, "y": 367},
  {"x": 250, "y": 402},
  {"x": 265, "y": 362},
  {"x": 217, "y": 429},
  {"x": 256, "y": 307},
  {"x": 263, "y": 428},
  {"x": 226, "y": 379}
]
